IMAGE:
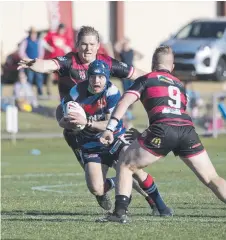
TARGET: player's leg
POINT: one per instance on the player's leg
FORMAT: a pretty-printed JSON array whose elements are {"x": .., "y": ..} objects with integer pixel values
[
  {"x": 95, "y": 174},
  {"x": 153, "y": 144},
  {"x": 202, "y": 166},
  {"x": 137, "y": 188},
  {"x": 148, "y": 185},
  {"x": 192, "y": 152},
  {"x": 39, "y": 78},
  {"x": 134, "y": 159},
  {"x": 70, "y": 138},
  {"x": 131, "y": 161},
  {"x": 144, "y": 184}
]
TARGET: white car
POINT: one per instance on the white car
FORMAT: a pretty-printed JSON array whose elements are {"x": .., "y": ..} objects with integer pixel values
[{"x": 200, "y": 49}]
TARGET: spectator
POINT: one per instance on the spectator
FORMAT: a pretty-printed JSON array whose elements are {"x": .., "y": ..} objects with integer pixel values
[
  {"x": 32, "y": 48},
  {"x": 105, "y": 48},
  {"x": 194, "y": 100},
  {"x": 222, "y": 107},
  {"x": 58, "y": 45},
  {"x": 9, "y": 68},
  {"x": 127, "y": 55},
  {"x": 23, "y": 93}
]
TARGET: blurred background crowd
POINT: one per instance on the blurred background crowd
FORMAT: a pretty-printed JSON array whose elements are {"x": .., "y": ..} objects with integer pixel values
[{"x": 130, "y": 31}]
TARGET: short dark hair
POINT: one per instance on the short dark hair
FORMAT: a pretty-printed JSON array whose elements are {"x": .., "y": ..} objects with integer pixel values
[
  {"x": 87, "y": 30},
  {"x": 159, "y": 52},
  {"x": 61, "y": 25}
]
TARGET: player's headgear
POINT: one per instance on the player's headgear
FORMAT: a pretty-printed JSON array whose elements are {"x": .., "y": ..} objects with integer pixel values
[{"x": 99, "y": 67}]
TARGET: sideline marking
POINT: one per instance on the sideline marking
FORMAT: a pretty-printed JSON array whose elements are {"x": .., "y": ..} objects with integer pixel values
[
  {"x": 28, "y": 175},
  {"x": 48, "y": 188}
]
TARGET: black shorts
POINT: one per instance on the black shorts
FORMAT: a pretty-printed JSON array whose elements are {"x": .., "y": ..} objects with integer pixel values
[
  {"x": 160, "y": 139},
  {"x": 107, "y": 156}
]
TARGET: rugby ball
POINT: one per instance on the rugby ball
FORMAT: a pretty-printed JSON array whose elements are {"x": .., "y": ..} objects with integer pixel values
[{"x": 74, "y": 107}]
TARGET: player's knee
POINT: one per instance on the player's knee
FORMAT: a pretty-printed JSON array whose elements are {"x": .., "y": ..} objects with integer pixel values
[
  {"x": 209, "y": 179},
  {"x": 96, "y": 189},
  {"x": 132, "y": 167}
]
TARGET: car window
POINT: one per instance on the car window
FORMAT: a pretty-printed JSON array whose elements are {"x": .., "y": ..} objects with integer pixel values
[
  {"x": 202, "y": 30},
  {"x": 184, "y": 33}
]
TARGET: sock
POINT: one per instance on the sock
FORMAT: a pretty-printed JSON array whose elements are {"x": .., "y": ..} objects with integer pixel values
[
  {"x": 121, "y": 204},
  {"x": 150, "y": 201},
  {"x": 109, "y": 184},
  {"x": 149, "y": 186}
]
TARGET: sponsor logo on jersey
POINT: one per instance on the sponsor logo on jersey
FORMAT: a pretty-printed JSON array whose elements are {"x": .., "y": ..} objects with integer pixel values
[
  {"x": 165, "y": 79},
  {"x": 171, "y": 110},
  {"x": 156, "y": 142},
  {"x": 123, "y": 64},
  {"x": 62, "y": 59},
  {"x": 82, "y": 74}
]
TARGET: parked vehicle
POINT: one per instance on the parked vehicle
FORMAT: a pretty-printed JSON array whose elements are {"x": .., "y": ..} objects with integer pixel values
[{"x": 200, "y": 49}]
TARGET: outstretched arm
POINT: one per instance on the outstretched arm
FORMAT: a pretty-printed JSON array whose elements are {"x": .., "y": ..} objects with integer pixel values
[{"x": 38, "y": 65}]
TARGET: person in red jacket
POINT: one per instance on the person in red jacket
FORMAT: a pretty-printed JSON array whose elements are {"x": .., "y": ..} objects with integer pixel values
[{"x": 59, "y": 45}]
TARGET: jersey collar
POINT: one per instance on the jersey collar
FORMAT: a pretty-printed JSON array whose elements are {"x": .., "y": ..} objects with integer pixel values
[{"x": 163, "y": 70}]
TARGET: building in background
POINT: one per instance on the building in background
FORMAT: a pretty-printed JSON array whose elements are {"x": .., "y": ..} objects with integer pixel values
[{"x": 145, "y": 23}]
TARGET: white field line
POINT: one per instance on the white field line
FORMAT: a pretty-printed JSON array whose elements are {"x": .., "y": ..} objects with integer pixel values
[
  {"x": 48, "y": 188},
  {"x": 30, "y": 175}
]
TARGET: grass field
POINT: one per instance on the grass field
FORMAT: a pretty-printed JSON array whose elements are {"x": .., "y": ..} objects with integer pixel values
[{"x": 45, "y": 197}]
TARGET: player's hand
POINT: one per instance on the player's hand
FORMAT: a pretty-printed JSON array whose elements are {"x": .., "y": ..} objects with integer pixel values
[
  {"x": 76, "y": 118},
  {"x": 131, "y": 134},
  {"x": 107, "y": 137},
  {"x": 26, "y": 63},
  {"x": 64, "y": 123}
]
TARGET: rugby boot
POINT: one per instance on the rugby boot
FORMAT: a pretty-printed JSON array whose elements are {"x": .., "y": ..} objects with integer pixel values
[
  {"x": 113, "y": 217},
  {"x": 155, "y": 211},
  {"x": 104, "y": 201},
  {"x": 167, "y": 212}
]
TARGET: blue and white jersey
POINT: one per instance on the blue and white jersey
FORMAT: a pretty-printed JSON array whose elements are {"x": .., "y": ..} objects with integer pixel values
[{"x": 97, "y": 107}]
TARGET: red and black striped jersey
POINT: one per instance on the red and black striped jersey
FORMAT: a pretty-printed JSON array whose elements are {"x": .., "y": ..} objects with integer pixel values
[
  {"x": 163, "y": 97},
  {"x": 72, "y": 71}
]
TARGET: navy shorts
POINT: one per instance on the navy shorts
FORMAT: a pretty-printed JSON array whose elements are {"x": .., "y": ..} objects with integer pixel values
[
  {"x": 160, "y": 139},
  {"x": 107, "y": 156}
]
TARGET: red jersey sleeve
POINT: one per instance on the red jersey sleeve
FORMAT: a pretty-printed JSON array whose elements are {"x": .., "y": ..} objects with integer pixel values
[
  {"x": 64, "y": 64},
  {"x": 138, "y": 86}
]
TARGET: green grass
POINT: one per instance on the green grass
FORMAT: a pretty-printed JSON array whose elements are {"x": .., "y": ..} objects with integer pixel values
[{"x": 66, "y": 210}]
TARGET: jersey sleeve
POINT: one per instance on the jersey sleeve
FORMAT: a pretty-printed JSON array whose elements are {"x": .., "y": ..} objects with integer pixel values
[
  {"x": 138, "y": 87},
  {"x": 113, "y": 96},
  {"x": 64, "y": 63},
  {"x": 121, "y": 69},
  {"x": 72, "y": 96}
]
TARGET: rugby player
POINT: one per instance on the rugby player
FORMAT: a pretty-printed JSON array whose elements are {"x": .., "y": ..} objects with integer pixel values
[
  {"x": 170, "y": 129},
  {"x": 98, "y": 97},
  {"x": 72, "y": 69}
]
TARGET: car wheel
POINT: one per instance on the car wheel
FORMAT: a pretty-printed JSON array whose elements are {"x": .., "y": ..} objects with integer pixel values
[{"x": 220, "y": 74}]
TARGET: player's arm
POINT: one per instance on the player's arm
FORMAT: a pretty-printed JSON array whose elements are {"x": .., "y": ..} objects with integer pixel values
[
  {"x": 100, "y": 125},
  {"x": 60, "y": 64},
  {"x": 38, "y": 65},
  {"x": 122, "y": 70}
]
